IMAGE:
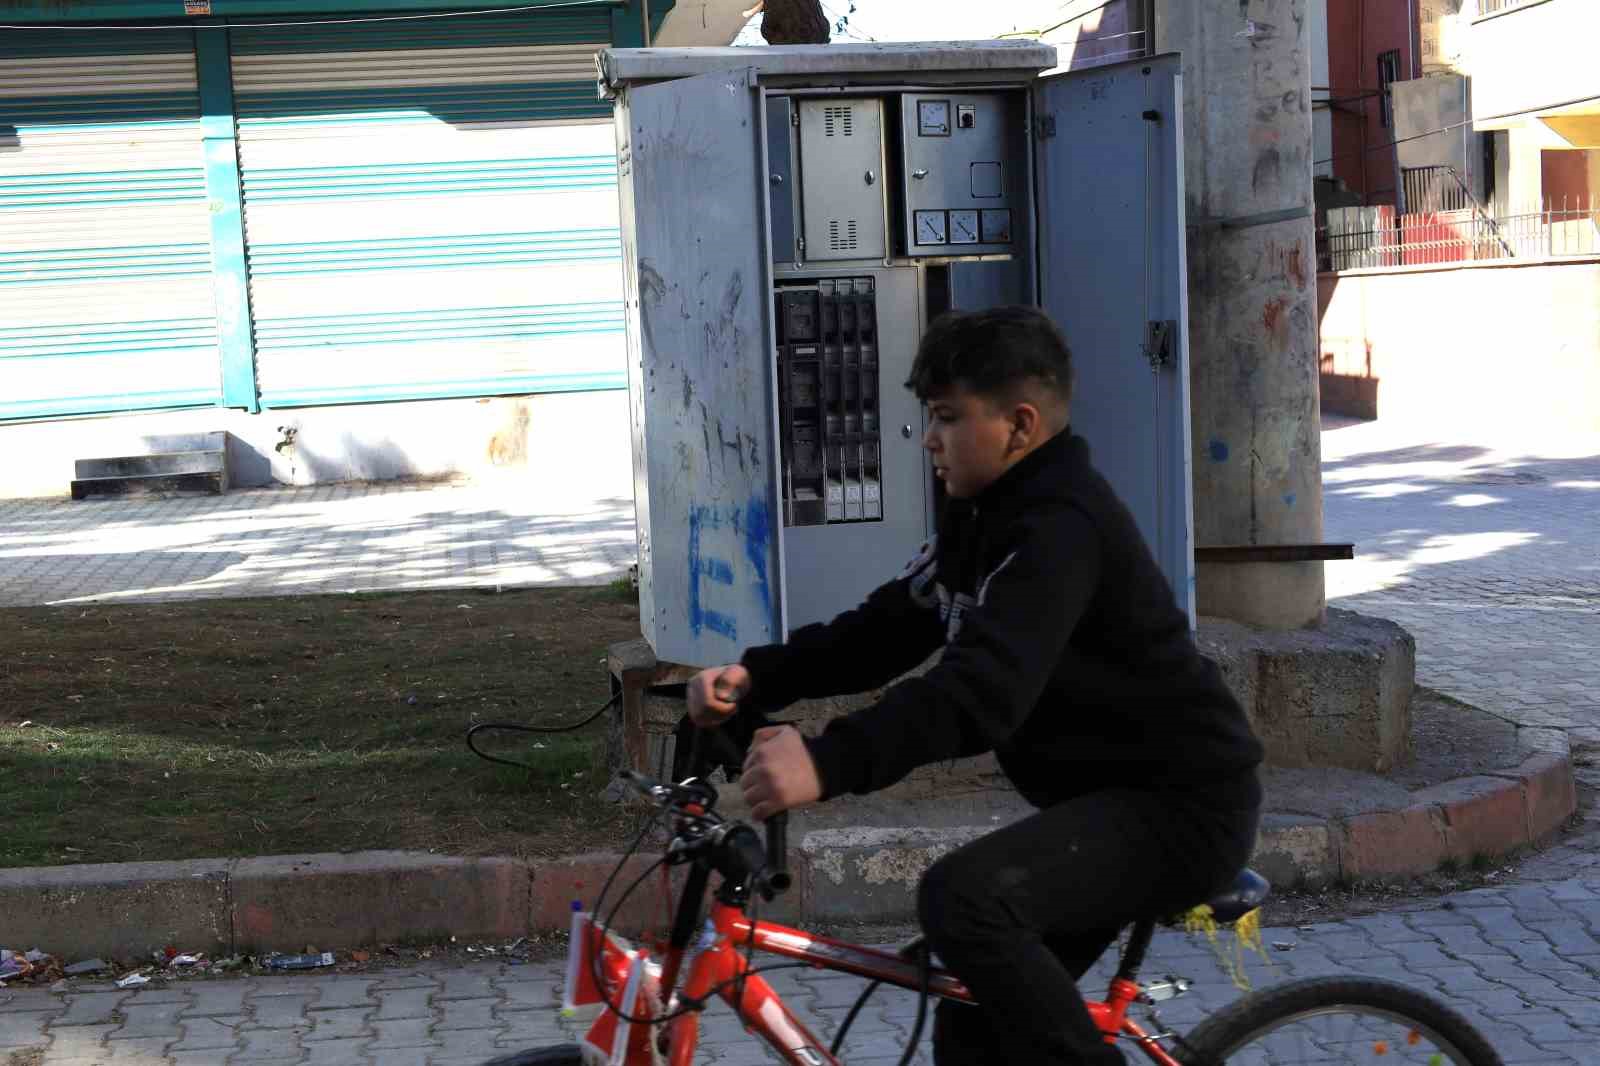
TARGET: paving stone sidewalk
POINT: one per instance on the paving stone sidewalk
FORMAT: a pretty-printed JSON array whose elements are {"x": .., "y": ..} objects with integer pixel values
[
  {"x": 1488, "y": 553},
  {"x": 1522, "y": 962},
  {"x": 321, "y": 539}
]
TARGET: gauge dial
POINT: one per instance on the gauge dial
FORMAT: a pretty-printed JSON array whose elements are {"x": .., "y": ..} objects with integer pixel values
[
  {"x": 996, "y": 226},
  {"x": 933, "y": 118},
  {"x": 930, "y": 227},
  {"x": 964, "y": 227}
]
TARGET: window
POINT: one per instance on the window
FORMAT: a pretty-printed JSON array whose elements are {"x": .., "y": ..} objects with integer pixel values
[{"x": 1388, "y": 74}]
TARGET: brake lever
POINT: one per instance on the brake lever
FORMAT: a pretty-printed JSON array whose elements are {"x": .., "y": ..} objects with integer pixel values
[{"x": 647, "y": 787}]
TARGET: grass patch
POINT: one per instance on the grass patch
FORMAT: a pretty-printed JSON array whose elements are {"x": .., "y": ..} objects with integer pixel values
[{"x": 327, "y": 723}]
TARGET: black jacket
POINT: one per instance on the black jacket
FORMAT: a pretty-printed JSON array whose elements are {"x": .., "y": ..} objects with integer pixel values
[{"x": 1064, "y": 652}]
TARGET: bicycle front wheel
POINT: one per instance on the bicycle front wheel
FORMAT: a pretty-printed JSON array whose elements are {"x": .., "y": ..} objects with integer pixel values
[
  {"x": 564, "y": 1055},
  {"x": 1329, "y": 1020}
]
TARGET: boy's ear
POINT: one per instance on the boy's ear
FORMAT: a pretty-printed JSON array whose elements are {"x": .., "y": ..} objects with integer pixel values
[{"x": 1026, "y": 423}]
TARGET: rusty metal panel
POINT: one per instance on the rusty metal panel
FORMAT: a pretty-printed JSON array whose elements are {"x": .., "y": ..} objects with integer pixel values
[
  {"x": 696, "y": 275},
  {"x": 1113, "y": 275}
]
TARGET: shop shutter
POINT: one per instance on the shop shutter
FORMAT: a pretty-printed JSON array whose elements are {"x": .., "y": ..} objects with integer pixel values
[
  {"x": 430, "y": 208},
  {"x": 106, "y": 296}
]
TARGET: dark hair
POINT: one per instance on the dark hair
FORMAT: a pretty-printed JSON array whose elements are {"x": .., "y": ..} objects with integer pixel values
[{"x": 992, "y": 353}]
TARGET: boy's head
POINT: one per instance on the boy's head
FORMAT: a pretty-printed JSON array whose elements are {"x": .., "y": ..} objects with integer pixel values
[{"x": 998, "y": 384}]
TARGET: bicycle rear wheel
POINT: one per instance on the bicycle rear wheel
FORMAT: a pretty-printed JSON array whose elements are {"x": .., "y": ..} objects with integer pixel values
[
  {"x": 1330, "y": 1020},
  {"x": 564, "y": 1055}
]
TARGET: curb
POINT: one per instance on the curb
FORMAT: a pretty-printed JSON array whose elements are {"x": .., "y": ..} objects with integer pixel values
[
  {"x": 1470, "y": 818},
  {"x": 286, "y": 902}
]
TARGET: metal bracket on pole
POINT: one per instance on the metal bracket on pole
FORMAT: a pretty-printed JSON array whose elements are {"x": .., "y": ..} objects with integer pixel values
[{"x": 1158, "y": 343}]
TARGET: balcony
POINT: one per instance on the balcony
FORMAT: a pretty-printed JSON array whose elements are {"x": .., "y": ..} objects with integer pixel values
[
  {"x": 1532, "y": 57},
  {"x": 1494, "y": 7}
]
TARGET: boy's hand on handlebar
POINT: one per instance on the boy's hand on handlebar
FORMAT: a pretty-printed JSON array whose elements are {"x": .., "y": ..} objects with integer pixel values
[
  {"x": 778, "y": 772},
  {"x": 714, "y": 694}
]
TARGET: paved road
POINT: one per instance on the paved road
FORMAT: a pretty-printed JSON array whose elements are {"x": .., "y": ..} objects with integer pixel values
[{"x": 1489, "y": 553}]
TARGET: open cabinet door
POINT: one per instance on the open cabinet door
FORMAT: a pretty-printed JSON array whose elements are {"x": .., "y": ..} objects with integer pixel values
[
  {"x": 698, "y": 365},
  {"x": 1109, "y": 172}
]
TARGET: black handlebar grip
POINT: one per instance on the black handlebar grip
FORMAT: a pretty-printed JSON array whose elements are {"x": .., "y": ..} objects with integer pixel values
[
  {"x": 748, "y": 858},
  {"x": 777, "y": 874}
]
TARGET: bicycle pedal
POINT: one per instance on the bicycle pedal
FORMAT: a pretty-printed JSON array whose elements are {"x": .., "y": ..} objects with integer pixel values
[{"x": 1161, "y": 991}]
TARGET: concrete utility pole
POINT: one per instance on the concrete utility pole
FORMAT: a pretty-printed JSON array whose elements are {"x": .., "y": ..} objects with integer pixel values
[{"x": 1252, "y": 299}]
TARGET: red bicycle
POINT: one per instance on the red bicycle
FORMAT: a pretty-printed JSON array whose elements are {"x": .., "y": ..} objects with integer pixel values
[{"x": 648, "y": 1019}]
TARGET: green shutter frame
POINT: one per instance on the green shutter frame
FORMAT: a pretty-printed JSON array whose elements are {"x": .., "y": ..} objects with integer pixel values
[{"x": 235, "y": 344}]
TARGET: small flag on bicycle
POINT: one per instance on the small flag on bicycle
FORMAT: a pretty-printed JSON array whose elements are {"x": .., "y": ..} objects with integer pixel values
[
  {"x": 611, "y": 1035},
  {"x": 590, "y": 949}
]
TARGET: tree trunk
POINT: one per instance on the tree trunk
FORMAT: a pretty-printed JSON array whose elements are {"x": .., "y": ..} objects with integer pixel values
[{"x": 794, "y": 22}]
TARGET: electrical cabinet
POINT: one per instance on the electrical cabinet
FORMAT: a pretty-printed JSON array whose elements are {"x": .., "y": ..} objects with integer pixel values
[
  {"x": 965, "y": 157},
  {"x": 793, "y": 219}
]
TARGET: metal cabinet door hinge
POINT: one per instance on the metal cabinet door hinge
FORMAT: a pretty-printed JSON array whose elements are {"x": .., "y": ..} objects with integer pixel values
[{"x": 1158, "y": 342}]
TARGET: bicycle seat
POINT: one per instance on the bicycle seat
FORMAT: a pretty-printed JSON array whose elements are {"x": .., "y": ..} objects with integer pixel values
[{"x": 1248, "y": 891}]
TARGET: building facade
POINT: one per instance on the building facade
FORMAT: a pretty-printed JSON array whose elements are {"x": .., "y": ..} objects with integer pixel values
[
  {"x": 1499, "y": 97},
  {"x": 1466, "y": 287},
  {"x": 249, "y": 209}
]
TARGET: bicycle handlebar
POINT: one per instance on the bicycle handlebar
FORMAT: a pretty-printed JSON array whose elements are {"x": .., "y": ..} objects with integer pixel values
[
  {"x": 767, "y": 865},
  {"x": 777, "y": 871}
]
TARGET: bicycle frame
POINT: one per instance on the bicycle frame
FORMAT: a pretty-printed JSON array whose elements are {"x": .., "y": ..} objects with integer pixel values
[{"x": 720, "y": 968}]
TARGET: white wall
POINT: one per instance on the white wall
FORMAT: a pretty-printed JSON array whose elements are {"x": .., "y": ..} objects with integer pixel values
[
  {"x": 1533, "y": 57},
  {"x": 1519, "y": 346},
  {"x": 693, "y": 23},
  {"x": 1321, "y": 118},
  {"x": 562, "y": 444}
]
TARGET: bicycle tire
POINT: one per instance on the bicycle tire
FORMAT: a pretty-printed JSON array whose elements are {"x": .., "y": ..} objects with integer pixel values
[
  {"x": 561, "y": 1055},
  {"x": 1260, "y": 1013}
]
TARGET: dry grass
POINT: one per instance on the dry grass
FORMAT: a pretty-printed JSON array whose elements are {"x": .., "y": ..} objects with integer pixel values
[{"x": 271, "y": 726}]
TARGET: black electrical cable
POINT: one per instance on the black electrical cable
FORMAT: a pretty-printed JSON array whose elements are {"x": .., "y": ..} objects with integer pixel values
[
  {"x": 519, "y": 728},
  {"x": 599, "y": 903},
  {"x": 694, "y": 1003},
  {"x": 749, "y": 947},
  {"x": 922, "y": 1009},
  {"x": 849, "y": 1019}
]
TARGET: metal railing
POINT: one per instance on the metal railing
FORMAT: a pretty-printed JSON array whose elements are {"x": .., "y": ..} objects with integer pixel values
[
  {"x": 1437, "y": 188},
  {"x": 1494, "y": 7},
  {"x": 1360, "y": 238}
]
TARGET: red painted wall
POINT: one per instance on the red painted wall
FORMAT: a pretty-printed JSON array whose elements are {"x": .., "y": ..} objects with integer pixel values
[{"x": 1359, "y": 31}]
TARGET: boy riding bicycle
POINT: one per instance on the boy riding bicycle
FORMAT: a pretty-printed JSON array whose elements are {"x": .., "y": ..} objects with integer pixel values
[{"x": 1066, "y": 654}]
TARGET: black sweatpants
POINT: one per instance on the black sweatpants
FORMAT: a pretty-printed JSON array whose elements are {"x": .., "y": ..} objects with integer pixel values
[{"x": 1020, "y": 914}]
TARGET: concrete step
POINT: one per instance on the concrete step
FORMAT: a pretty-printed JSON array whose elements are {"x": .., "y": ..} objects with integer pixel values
[
  {"x": 191, "y": 463},
  {"x": 124, "y": 466},
  {"x": 212, "y": 482}
]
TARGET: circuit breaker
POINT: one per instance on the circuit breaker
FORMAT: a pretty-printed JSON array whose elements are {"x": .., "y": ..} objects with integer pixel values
[
  {"x": 828, "y": 378},
  {"x": 793, "y": 220}
]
